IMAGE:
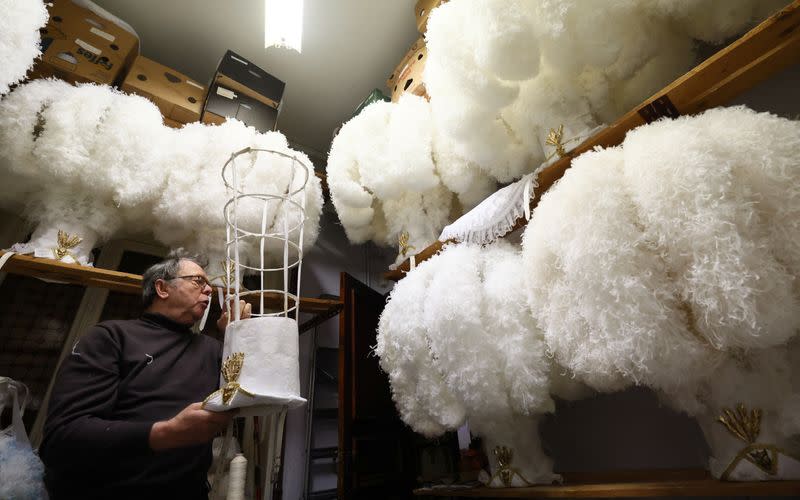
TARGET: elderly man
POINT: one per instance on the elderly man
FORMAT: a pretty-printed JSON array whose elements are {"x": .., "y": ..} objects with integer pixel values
[{"x": 125, "y": 417}]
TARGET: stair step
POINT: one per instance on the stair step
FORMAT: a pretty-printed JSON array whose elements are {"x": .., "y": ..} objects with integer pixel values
[
  {"x": 319, "y": 453},
  {"x": 322, "y": 494}
]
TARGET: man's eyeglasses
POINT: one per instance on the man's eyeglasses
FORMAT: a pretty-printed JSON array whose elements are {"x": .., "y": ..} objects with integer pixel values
[{"x": 198, "y": 280}]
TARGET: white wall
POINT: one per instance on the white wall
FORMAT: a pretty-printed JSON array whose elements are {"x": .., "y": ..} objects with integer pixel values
[{"x": 331, "y": 255}]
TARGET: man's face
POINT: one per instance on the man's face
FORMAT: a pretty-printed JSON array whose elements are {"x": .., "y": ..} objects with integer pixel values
[{"x": 189, "y": 296}]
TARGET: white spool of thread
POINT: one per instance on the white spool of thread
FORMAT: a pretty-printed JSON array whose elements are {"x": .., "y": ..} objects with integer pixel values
[{"x": 236, "y": 477}]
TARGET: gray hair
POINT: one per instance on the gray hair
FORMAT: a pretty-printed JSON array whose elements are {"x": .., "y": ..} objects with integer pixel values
[{"x": 165, "y": 270}]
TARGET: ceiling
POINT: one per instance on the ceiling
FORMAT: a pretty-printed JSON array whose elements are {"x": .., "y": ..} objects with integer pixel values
[{"x": 349, "y": 48}]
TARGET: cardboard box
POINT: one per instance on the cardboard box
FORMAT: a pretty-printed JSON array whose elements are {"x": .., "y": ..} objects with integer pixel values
[
  {"x": 240, "y": 75},
  {"x": 409, "y": 73},
  {"x": 177, "y": 96},
  {"x": 80, "y": 46},
  {"x": 222, "y": 103},
  {"x": 392, "y": 80},
  {"x": 422, "y": 10},
  {"x": 172, "y": 123}
]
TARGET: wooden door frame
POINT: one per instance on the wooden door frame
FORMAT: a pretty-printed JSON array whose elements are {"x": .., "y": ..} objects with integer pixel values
[{"x": 344, "y": 457}]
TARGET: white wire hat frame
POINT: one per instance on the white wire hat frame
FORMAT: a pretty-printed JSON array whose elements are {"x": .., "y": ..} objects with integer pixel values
[{"x": 240, "y": 236}]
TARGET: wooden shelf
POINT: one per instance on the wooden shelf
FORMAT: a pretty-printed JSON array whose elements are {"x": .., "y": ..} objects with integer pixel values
[
  {"x": 74, "y": 274},
  {"x": 657, "y": 483},
  {"x": 770, "y": 47}
]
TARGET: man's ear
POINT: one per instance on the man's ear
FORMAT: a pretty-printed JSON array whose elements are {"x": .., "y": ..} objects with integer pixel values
[{"x": 162, "y": 289}]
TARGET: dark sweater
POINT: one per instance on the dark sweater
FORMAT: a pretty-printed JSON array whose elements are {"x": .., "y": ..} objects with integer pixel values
[{"x": 121, "y": 377}]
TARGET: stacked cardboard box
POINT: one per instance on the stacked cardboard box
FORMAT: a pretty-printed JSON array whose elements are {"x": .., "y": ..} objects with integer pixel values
[
  {"x": 242, "y": 90},
  {"x": 407, "y": 76},
  {"x": 80, "y": 46},
  {"x": 179, "y": 98}
]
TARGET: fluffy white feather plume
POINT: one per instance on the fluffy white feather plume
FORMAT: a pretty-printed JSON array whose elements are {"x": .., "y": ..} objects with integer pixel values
[
  {"x": 190, "y": 211},
  {"x": 670, "y": 261},
  {"x": 721, "y": 203},
  {"x": 475, "y": 328},
  {"x": 500, "y": 74},
  {"x": 422, "y": 397},
  {"x": 390, "y": 173},
  {"x": 19, "y": 38},
  {"x": 99, "y": 162},
  {"x": 21, "y": 125},
  {"x": 356, "y": 206},
  {"x": 91, "y": 155},
  {"x": 455, "y": 342},
  {"x": 599, "y": 288},
  {"x": 106, "y": 143}
]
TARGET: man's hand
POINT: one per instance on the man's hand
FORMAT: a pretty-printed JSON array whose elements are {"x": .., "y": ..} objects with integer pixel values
[
  {"x": 193, "y": 425},
  {"x": 245, "y": 310}
]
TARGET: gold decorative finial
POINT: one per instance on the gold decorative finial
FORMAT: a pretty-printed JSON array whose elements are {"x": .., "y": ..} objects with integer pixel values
[
  {"x": 747, "y": 426},
  {"x": 403, "y": 243},
  {"x": 231, "y": 368},
  {"x": 555, "y": 138},
  {"x": 230, "y": 372},
  {"x": 504, "y": 456},
  {"x": 66, "y": 243}
]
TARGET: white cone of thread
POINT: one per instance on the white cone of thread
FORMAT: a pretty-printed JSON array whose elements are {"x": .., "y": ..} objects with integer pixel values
[{"x": 238, "y": 473}]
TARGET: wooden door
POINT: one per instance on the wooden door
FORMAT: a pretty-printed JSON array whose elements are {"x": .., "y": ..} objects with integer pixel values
[{"x": 373, "y": 442}]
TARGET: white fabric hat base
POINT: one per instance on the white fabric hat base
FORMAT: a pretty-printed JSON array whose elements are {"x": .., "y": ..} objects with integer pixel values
[
  {"x": 729, "y": 461},
  {"x": 248, "y": 406},
  {"x": 44, "y": 243},
  {"x": 528, "y": 465},
  {"x": 270, "y": 370},
  {"x": 788, "y": 470}
]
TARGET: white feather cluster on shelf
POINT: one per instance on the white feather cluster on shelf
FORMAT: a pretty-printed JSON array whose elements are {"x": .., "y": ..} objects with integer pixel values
[
  {"x": 671, "y": 262},
  {"x": 500, "y": 74},
  {"x": 389, "y": 173},
  {"x": 450, "y": 339},
  {"x": 668, "y": 262},
  {"x": 19, "y": 38},
  {"x": 95, "y": 162},
  {"x": 600, "y": 290}
]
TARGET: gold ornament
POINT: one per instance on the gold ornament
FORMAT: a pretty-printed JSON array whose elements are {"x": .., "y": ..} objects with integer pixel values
[
  {"x": 747, "y": 426},
  {"x": 403, "y": 243},
  {"x": 555, "y": 138},
  {"x": 66, "y": 243},
  {"x": 228, "y": 269},
  {"x": 504, "y": 456},
  {"x": 230, "y": 372}
]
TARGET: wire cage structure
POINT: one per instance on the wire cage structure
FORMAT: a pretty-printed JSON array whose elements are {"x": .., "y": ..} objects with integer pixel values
[
  {"x": 246, "y": 234},
  {"x": 264, "y": 239}
]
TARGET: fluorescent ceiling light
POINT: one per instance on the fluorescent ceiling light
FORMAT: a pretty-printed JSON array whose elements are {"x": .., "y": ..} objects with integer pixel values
[{"x": 283, "y": 24}]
